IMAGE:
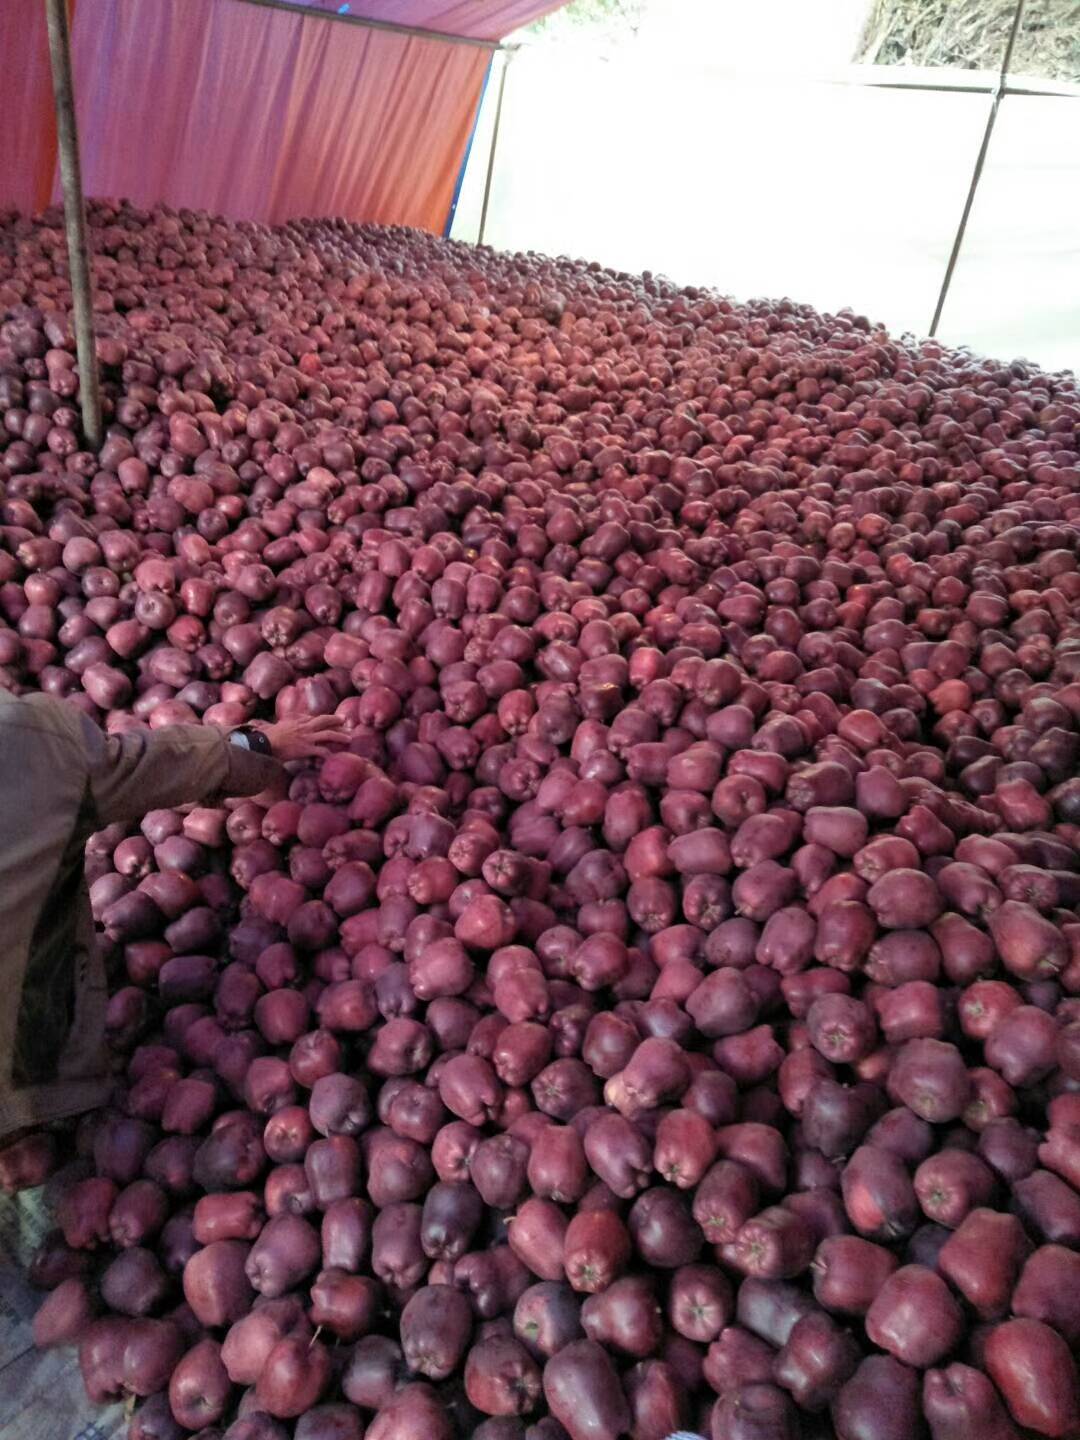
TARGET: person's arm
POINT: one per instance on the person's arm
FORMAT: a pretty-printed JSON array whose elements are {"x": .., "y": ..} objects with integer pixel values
[{"x": 145, "y": 770}]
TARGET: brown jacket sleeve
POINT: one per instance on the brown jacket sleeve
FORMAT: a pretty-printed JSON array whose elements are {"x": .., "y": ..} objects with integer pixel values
[{"x": 145, "y": 770}]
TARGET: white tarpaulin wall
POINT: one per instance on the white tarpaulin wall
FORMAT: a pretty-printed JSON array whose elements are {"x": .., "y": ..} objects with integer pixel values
[{"x": 771, "y": 167}]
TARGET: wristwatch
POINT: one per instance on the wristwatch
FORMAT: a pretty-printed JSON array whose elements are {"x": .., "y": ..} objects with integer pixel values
[{"x": 251, "y": 739}]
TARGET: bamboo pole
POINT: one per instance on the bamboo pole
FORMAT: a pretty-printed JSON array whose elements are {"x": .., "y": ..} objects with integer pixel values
[{"x": 67, "y": 137}]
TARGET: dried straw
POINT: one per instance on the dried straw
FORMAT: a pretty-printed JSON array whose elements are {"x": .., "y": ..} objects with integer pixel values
[{"x": 972, "y": 34}]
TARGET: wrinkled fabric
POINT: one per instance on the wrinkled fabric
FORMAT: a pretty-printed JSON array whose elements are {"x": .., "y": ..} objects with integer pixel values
[
  {"x": 262, "y": 115},
  {"x": 27, "y": 115},
  {"x": 253, "y": 113},
  {"x": 61, "y": 778}
]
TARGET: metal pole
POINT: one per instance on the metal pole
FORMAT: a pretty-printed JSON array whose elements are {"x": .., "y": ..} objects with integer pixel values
[
  {"x": 508, "y": 56},
  {"x": 67, "y": 137},
  {"x": 980, "y": 160},
  {"x": 389, "y": 27}
]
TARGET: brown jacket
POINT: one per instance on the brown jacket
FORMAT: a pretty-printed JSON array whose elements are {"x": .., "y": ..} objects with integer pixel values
[{"x": 62, "y": 778}]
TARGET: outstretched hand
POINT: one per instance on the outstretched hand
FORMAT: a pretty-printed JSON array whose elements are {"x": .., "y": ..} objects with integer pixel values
[{"x": 307, "y": 737}]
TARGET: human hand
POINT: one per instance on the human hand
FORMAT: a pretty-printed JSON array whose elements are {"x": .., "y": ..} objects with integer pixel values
[
  {"x": 305, "y": 737},
  {"x": 279, "y": 790}
]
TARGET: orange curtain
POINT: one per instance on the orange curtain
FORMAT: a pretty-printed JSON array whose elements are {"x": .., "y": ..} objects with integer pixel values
[
  {"x": 181, "y": 103},
  {"x": 27, "y": 117},
  {"x": 250, "y": 112},
  {"x": 264, "y": 115},
  {"x": 377, "y": 124}
]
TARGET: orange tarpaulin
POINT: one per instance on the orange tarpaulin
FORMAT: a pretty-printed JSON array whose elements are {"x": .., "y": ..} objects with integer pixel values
[
  {"x": 27, "y": 118},
  {"x": 249, "y": 111},
  {"x": 265, "y": 115}
]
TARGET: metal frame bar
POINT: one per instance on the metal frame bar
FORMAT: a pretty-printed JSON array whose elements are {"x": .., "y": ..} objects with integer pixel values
[
  {"x": 459, "y": 184},
  {"x": 387, "y": 26},
  {"x": 67, "y": 142},
  {"x": 508, "y": 56},
  {"x": 976, "y": 174},
  {"x": 957, "y": 88},
  {"x": 1040, "y": 94}
]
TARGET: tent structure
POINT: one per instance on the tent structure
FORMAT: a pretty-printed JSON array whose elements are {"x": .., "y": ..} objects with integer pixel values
[{"x": 258, "y": 109}]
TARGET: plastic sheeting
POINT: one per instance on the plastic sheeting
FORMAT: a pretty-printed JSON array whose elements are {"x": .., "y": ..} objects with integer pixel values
[{"x": 252, "y": 112}]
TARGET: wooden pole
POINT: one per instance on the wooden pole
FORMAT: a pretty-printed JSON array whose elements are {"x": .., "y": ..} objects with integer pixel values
[{"x": 82, "y": 301}]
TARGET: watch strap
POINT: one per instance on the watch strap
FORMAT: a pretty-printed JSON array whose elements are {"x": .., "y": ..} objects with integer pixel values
[{"x": 251, "y": 739}]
